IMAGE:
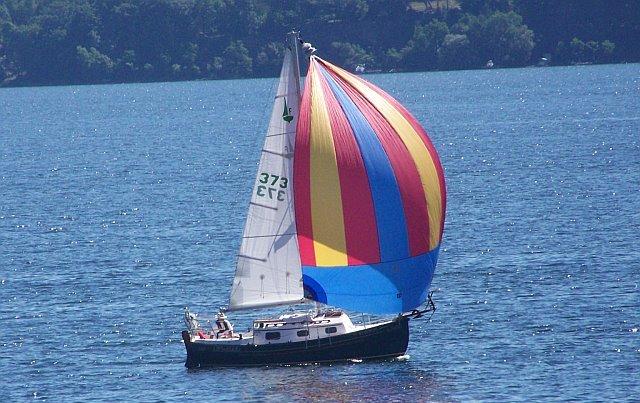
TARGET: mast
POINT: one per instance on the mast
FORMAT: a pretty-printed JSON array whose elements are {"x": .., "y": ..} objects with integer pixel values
[
  {"x": 295, "y": 45},
  {"x": 293, "y": 38}
]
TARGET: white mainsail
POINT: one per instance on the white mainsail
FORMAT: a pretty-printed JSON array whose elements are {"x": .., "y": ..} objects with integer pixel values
[{"x": 268, "y": 268}]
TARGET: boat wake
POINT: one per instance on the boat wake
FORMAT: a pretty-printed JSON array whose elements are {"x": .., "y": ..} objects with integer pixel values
[{"x": 402, "y": 358}]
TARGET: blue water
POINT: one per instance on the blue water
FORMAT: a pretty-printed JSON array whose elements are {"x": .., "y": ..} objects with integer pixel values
[{"x": 122, "y": 204}]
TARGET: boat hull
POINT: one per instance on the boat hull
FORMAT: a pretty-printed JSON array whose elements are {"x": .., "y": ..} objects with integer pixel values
[{"x": 381, "y": 341}]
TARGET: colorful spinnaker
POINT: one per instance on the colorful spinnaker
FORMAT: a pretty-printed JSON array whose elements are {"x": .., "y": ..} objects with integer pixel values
[{"x": 369, "y": 196}]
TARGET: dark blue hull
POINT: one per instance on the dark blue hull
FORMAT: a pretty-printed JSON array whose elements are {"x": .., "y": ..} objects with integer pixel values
[{"x": 383, "y": 341}]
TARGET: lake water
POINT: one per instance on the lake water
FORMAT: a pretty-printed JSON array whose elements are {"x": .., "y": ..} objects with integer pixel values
[{"x": 122, "y": 204}]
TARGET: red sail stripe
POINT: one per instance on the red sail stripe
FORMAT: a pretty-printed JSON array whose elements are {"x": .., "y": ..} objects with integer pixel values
[
  {"x": 423, "y": 135},
  {"x": 413, "y": 198},
  {"x": 425, "y": 139},
  {"x": 302, "y": 177},
  {"x": 357, "y": 204},
  {"x": 428, "y": 144}
]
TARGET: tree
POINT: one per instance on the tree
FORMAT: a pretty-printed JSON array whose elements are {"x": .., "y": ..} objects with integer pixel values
[
  {"x": 350, "y": 55},
  {"x": 578, "y": 50},
  {"x": 506, "y": 40},
  {"x": 485, "y": 6},
  {"x": 422, "y": 50},
  {"x": 93, "y": 65},
  {"x": 562, "y": 53},
  {"x": 605, "y": 51},
  {"x": 269, "y": 59},
  {"x": 456, "y": 52},
  {"x": 214, "y": 67},
  {"x": 5, "y": 19},
  {"x": 68, "y": 41},
  {"x": 237, "y": 62},
  {"x": 591, "y": 48},
  {"x": 392, "y": 58},
  {"x": 125, "y": 68}
]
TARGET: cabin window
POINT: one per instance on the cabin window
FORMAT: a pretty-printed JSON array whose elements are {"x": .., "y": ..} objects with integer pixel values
[
  {"x": 302, "y": 333},
  {"x": 329, "y": 330},
  {"x": 272, "y": 335}
]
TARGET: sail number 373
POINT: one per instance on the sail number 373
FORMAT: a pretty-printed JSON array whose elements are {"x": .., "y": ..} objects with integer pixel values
[{"x": 272, "y": 186}]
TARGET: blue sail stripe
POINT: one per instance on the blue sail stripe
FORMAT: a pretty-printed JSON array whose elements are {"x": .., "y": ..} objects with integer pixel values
[
  {"x": 388, "y": 206},
  {"x": 382, "y": 288}
]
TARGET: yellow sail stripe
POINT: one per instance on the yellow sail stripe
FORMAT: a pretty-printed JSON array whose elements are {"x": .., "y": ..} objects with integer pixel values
[
  {"x": 418, "y": 151},
  {"x": 326, "y": 200}
]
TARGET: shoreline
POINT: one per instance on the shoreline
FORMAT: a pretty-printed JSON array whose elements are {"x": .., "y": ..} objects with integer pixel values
[{"x": 4, "y": 85}]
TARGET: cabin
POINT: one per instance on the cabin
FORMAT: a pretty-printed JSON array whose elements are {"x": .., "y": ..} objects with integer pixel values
[{"x": 298, "y": 327}]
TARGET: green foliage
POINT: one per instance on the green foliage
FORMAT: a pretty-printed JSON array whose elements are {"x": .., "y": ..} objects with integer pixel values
[
  {"x": 84, "y": 41},
  {"x": 350, "y": 55},
  {"x": 237, "y": 61},
  {"x": 456, "y": 52},
  {"x": 499, "y": 36},
  {"x": 392, "y": 58},
  {"x": 605, "y": 51},
  {"x": 421, "y": 51},
  {"x": 92, "y": 65},
  {"x": 486, "y": 6},
  {"x": 589, "y": 52},
  {"x": 269, "y": 59},
  {"x": 556, "y": 23},
  {"x": 507, "y": 41}
]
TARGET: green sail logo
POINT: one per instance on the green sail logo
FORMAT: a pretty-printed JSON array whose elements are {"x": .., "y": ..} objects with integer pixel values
[{"x": 286, "y": 114}]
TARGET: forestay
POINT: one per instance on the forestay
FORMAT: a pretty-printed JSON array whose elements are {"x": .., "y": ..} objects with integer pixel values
[{"x": 268, "y": 267}]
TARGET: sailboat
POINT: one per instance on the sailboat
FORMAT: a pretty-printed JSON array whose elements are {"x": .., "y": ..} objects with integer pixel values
[{"x": 347, "y": 211}]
